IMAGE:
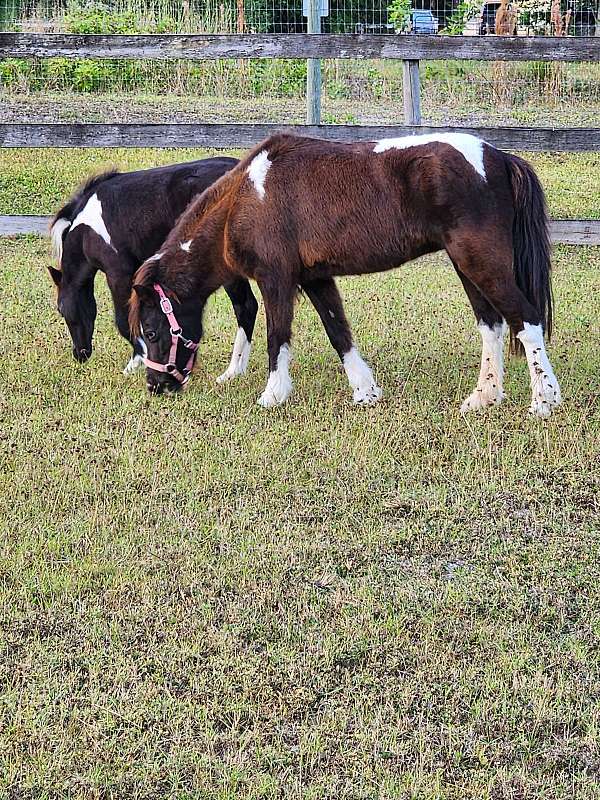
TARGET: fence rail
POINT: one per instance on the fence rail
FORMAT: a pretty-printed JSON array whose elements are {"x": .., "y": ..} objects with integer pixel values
[
  {"x": 243, "y": 136},
  {"x": 562, "y": 231},
  {"x": 299, "y": 45}
]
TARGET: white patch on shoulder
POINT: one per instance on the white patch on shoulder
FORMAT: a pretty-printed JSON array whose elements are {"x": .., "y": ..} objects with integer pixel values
[
  {"x": 56, "y": 236},
  {"x": 155, "y": 257},
  {"x": 545, "y": 391},
  {"x": 279, "y": 385},
  {"x": 186, "y": 246},
  {"x": 91, "y": 215},
  {"x": 489, "y": 390},
  {"x": 134, "y": 364},
  {"x": 257, "y": 171},
  {"x": 239, "y": 358},
  {"x": 470, "y": 147},
  {"x": 360, "y": 378}
]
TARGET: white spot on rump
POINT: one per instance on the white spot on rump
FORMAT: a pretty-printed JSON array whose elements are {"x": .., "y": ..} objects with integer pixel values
[
  {"x": 257, "y": 171},
  {"x": 91, "y": 215},
  {"x": 279, "y": 385},
  {"x": 186, "y": 246},
  {"x": 470, "y": 147},
  {"x": 489, "y": 390},
  {"x": 56, "y": 236},
  {"x": 239, "y": 358},
  {"x": 545, "y": 391},
  {"x": 360, "y": 378}
]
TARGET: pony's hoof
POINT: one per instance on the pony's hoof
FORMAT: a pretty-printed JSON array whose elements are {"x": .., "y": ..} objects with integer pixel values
[
  {"x": 546, "y": 397},
  {"x": 228, "y": 375},
  {"x": 482, "y": 398},
  {"x": 367, "y": 395},
  {"x": 276, "y": 392},
  {"x": 134, "y": 364}
]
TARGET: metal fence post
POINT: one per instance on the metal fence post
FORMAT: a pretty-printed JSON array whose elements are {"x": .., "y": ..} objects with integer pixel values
[
  {"x": 313, "y": 68},
  {"x": 412, "y": 92}
]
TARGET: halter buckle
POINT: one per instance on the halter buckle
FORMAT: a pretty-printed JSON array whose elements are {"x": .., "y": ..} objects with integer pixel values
[
  {"x": 165, "y": 305},
  {"x": 177, "y": 332}
]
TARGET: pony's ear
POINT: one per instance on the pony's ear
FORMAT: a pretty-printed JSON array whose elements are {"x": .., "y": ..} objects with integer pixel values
[
  {"x": 56, "y": 275},
  {"x": 144, "y": 292}
]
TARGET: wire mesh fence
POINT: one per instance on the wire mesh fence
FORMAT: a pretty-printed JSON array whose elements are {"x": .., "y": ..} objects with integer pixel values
[{"x": 62, "y": 89}]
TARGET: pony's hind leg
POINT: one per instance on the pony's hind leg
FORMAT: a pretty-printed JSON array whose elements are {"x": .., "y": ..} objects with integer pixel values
[
  {"x": 496, "y": 282},
  {"x": 325, "y": 297},
  {"x": 245, "y": 308},
  {"x": 278, "y": 296},
  {"x": 492, "y": 327}
]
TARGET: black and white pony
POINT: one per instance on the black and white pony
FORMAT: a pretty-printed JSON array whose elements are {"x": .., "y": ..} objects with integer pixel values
[{"x": 113, "y": 223}]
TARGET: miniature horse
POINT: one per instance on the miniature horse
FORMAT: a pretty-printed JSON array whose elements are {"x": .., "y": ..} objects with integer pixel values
[
  {"x": 113, "y": 223},
  {"x": 298, "y": 211}
]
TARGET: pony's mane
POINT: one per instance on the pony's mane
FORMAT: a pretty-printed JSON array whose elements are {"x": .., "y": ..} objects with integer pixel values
[
  {"x": 145, "y": 276},
  {"x": 67, "y": 211}
]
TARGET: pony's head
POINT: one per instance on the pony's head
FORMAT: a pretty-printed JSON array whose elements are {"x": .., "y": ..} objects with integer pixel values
[
  {"x": 75, "y": 293},
  {"x": 171, "y": 329}
]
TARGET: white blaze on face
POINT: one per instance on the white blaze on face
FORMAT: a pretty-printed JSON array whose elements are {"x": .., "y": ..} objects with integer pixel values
[
  {"x": 545, "y": 391},
  {"x": 489, "y": 390},
  {"x": 470, "y": 147},
  {"x": 91, "y": 215},
  {"x": 186, "y": 246},
  {"x": 134, "y": 364},
  {"x": 360, "y": 377},
  {"x": 257, "y": 172},
  {"x": 279, "y": 385},
  {"x": 239, "y": 358},
  {"x": 56, "y": 236}
]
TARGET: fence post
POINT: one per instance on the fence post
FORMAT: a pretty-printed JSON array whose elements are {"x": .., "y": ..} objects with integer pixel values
[
  {"x": 412, "y": 92},
  {"x": 313, "y": 68}
]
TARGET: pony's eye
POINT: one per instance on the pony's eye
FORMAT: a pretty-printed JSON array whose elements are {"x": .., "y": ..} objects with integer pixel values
[{"x": 150, "y": 335}]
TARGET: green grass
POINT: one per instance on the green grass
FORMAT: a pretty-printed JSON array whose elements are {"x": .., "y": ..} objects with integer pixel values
[
  {"x": 203, "y": 599},
  {"x": 38, "y": 181}
]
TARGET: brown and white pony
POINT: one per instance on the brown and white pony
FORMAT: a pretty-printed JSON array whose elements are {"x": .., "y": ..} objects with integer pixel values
[{"x": 298, "y": 212}]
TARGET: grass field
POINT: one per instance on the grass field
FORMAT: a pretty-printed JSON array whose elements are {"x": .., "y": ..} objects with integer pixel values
[{"x": 202, "y": 599}]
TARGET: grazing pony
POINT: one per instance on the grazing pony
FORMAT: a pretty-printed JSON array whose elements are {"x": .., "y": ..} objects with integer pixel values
[
  {"x": 299, "y": 211},
  {"x": 113, "y": 223}
]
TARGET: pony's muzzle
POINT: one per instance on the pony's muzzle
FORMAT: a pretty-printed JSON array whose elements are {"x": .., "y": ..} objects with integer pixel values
[{"x": 82, "y": 354}]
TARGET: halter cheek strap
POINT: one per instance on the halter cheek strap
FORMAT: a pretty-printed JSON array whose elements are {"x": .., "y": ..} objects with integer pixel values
[{"x": 176, "y": 336}]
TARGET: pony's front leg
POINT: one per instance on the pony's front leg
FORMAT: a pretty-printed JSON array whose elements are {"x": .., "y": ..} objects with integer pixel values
[
  {"x": 325, "y": 297},
  {"x": 245, "y": 308},
  {"x": 279, "y": 309},
  {"x": 119, "y": 283}
]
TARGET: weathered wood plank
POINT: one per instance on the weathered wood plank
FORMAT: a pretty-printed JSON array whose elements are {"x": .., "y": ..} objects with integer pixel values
[
  {"x": 14, "y": 224},
  {"x": 411, "y": 90},
  {"x": 563, "y": 231},
  {"x": 299, "y": 45},
  {"x": 575, "y": 231},
  {"x": 242, "y": 136}
]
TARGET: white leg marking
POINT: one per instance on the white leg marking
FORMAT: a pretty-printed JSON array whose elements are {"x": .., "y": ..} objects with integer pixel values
[
  {"x": 545, "y": 391},
  {"x": 469, "y": 146},
  {"x": 360, "y": 377},
  {"x": 257, "y": 171},
  {"x": 279, "y": 385},
  {"x": 239, "y": 358},
  {"x": 134, "y": 364},
  {"x": 186, "y": 246},
  {"x": 489, "y": 390},
  {"x": 56, "y": 236},
  {"x": 91, "y": 215}
]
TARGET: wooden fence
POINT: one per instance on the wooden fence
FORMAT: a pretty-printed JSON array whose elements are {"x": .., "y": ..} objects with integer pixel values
[{"x": 410, "y": 49}]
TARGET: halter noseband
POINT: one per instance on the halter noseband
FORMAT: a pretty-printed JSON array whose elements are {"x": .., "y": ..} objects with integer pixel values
[{"x": 176, "y": 337}]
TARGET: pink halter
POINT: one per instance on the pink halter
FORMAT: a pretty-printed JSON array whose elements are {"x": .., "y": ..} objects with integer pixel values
[{"x": 176, "y": 337}]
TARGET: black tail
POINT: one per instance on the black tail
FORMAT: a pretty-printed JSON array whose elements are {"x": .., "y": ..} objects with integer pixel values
[{"x": 531, "y": 242}]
